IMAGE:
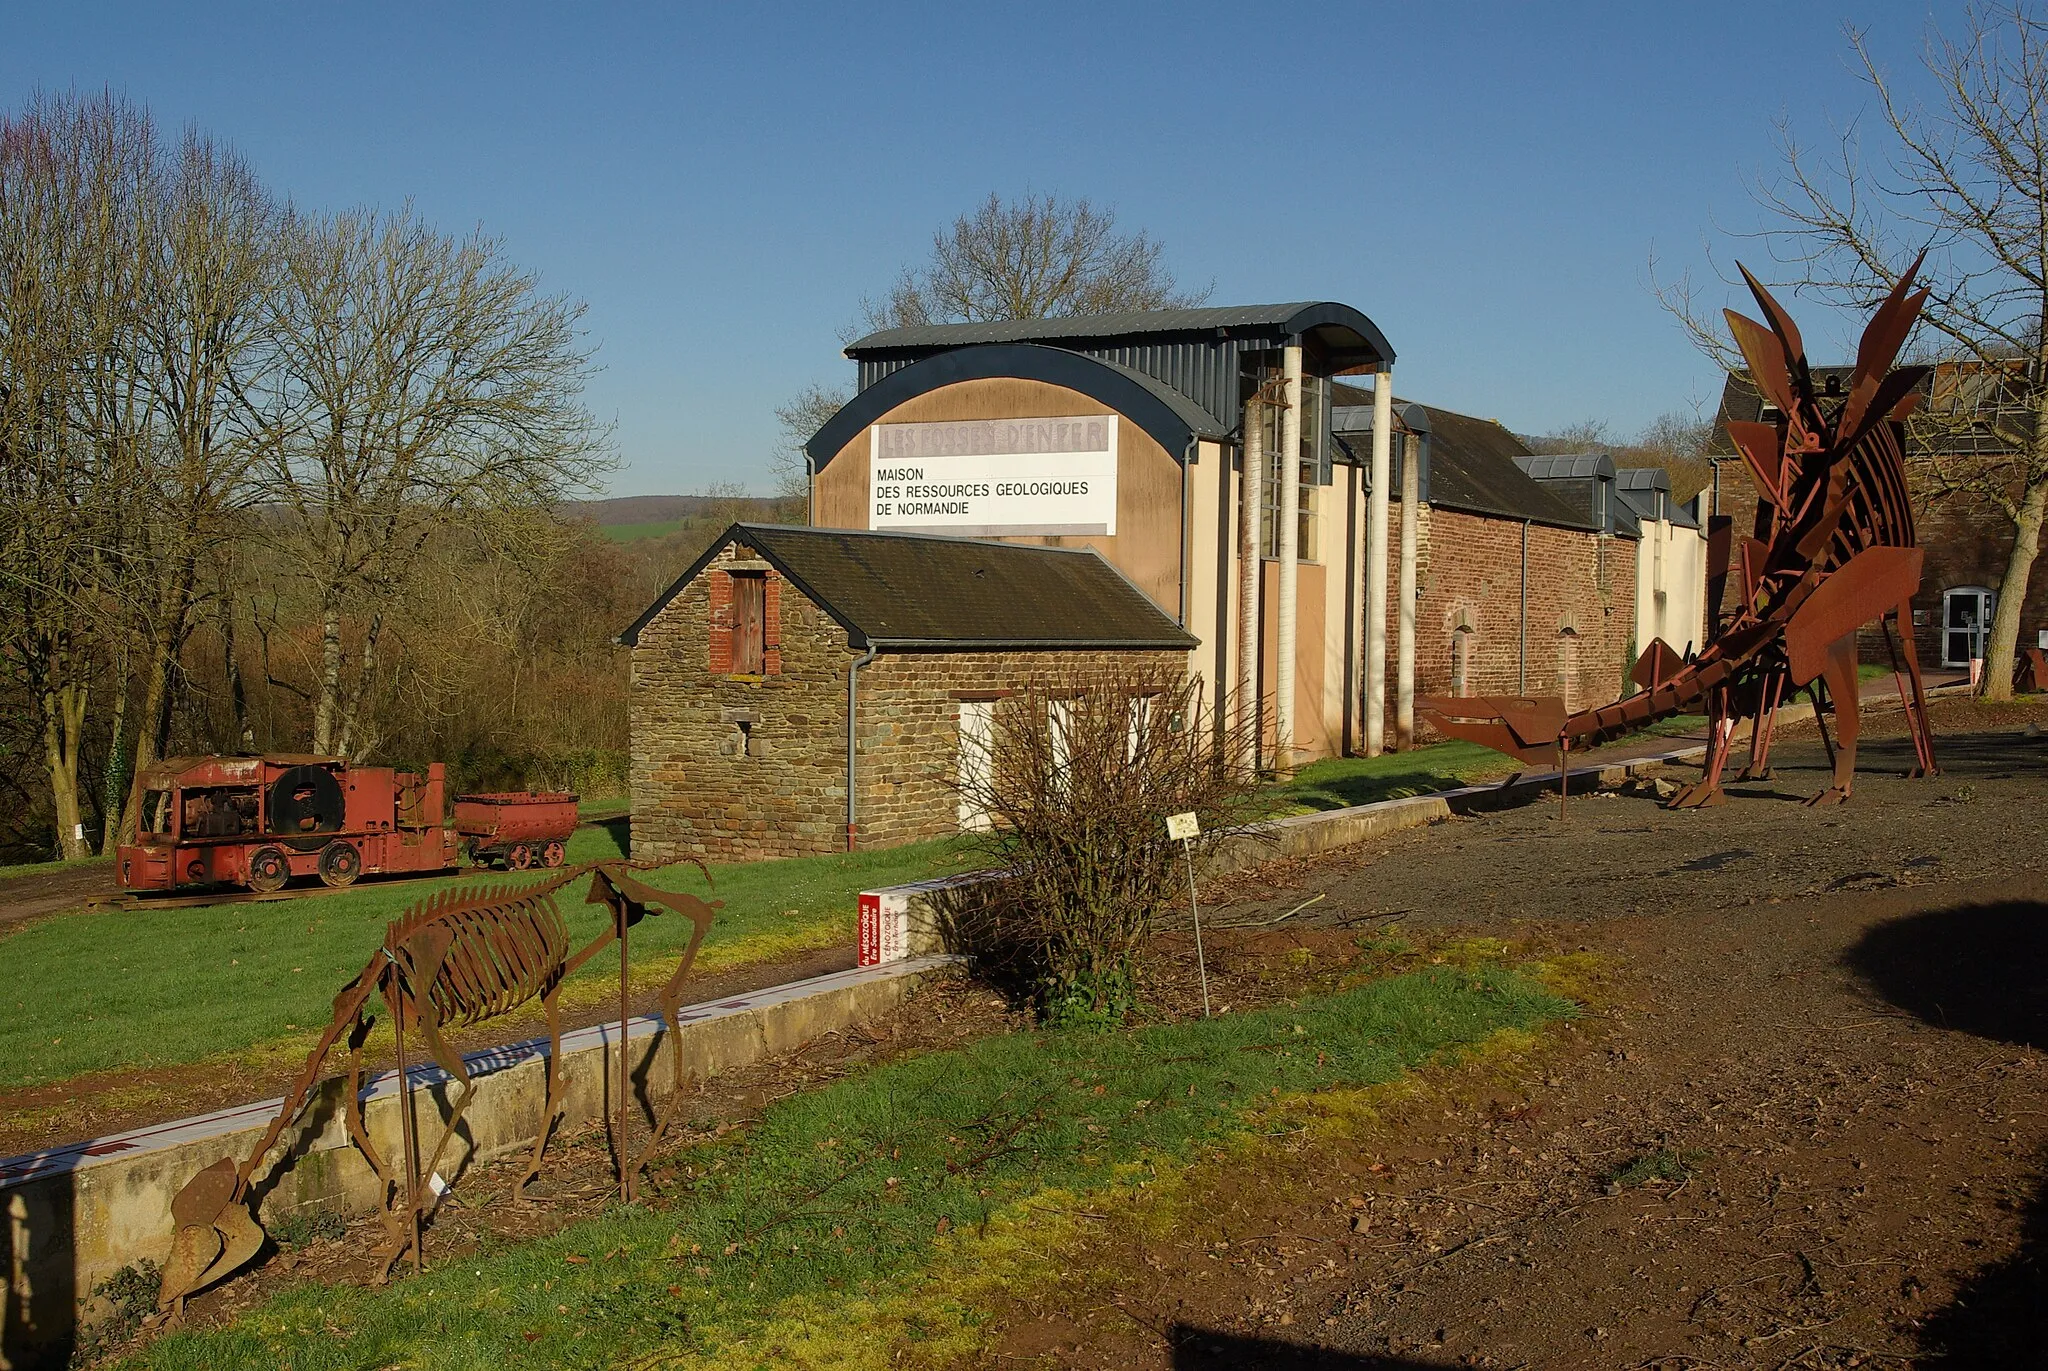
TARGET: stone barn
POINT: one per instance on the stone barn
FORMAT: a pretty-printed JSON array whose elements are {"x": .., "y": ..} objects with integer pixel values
[{"x": 808, "y": 690}]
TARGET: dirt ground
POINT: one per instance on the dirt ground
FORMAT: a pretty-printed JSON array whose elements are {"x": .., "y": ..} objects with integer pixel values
[{"x": 1805, "y": 1126}]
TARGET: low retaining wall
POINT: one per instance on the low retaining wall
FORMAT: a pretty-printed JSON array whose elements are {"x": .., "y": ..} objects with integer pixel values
[{"x": 72, "y": 1216}]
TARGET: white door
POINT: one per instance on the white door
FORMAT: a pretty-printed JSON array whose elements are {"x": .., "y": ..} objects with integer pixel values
[
  {"x": 1965, "y": 623},
  {"x": 977, "y": 762}
]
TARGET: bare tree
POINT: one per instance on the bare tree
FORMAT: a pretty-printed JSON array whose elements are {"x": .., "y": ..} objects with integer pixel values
[
  {"x": 1586, "y": 435},
  {"x": 1073, "y": 785},
  {"x": 801, "y": 418},
  {"x": 1964, "y": 180},
  {"x": 1040, "y": 257},
  {"x": 73, "y": 175},
  {"x": 431, "y": 387},
  {"x": 208, "y": 275}
]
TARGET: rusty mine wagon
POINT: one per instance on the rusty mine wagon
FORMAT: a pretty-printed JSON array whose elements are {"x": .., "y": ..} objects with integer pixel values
[
  {"x": 518, "y": 829},
  {"x": 258, "y": 822}
]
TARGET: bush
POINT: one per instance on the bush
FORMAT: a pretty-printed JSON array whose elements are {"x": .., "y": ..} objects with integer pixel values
[{"x": 1076, "y": 781}]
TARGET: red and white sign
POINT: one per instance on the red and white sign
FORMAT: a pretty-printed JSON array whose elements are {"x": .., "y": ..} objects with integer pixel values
[{"x": 884, "y": 926}]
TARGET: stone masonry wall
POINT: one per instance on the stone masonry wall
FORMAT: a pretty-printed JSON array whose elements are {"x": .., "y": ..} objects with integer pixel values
[
  {"x": 702, "y": 785},
  {"x": 910, "y": 723}
]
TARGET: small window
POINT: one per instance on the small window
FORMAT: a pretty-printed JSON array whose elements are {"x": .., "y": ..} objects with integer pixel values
[{"x": 749, "y": 623}]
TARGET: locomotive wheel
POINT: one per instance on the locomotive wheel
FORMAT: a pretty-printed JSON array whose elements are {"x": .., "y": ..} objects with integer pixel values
[
  {"x": 340, "y": 864},
  {"x": 269, "y": 869},
  {"x": 519, "y": 858},
  {"x": 552, "y": 854}
]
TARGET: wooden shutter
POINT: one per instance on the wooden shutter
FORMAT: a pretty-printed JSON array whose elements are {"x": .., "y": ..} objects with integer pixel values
[{"x": 749, "y": 621}]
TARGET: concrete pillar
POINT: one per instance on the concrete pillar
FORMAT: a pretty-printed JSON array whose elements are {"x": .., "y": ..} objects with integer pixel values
[
  {"x": 1290, "y": 556},
  {"x": 1376, "y": 564},
  {"x": 1252, "y": 486},
  {"x": 1404, "y": 594}
]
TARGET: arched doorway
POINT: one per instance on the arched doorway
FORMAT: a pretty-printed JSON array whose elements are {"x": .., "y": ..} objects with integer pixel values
[{"x": 1965, "y": 623}]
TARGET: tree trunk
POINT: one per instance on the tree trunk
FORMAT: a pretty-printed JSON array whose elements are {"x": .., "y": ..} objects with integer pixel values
[
  {"x": 63, "y": 728},
  {"x": 351, "y": 743},
  {"x": 166, "y": 634},
  {"x": 238, "y": 693},
  {"x": 2002, "y": 650},
  {"x": 114, "y": 780},
  {"x": 327, "y": 708}
]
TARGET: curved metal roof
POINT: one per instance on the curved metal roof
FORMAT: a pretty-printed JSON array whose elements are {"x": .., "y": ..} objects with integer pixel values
[
  {"x": 1328, "y": 319},
  {"x": 1171, "y": 418},
  {"x": 1642, "y": 478},
  {"x": 1579, "y": 465}
]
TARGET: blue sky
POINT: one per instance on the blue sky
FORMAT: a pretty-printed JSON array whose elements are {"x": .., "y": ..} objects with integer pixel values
[{"x": 722, "y": 184}]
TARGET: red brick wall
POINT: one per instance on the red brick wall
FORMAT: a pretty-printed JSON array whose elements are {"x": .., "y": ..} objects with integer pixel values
[{"x": 1469, "y": 570}]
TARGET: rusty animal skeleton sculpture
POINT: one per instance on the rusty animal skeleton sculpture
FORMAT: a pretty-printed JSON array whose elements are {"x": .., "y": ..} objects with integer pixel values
[
  {"x": 1832, "y": 550},
  {"x": 457, "y": 958}
]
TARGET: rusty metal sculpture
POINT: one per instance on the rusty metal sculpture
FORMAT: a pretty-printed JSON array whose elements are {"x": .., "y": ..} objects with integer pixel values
[
  {"x": 1832, "y": 550},
  {"x": 457, "y": 958}
]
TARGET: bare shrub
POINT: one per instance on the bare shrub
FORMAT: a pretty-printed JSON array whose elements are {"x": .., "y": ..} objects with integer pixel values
[{"x": 1075, "y": 781}]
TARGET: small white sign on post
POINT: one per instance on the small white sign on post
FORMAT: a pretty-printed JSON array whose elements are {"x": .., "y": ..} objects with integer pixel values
[{"x": 1184, "y": 829}]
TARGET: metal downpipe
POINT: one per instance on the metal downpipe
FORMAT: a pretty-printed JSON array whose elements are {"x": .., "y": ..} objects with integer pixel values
[{"x": 852, "y": 715}]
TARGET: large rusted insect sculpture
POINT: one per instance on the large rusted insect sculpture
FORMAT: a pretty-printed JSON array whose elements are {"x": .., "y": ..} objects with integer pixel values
[
  {"x": 1832, "y": 550},
  {"x": 457, "y": 958}
]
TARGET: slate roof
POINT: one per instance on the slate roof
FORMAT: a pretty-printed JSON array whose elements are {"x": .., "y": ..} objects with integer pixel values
[
  {"x": 907, "y": 590},
  {"x": 1472, "y": 465}
]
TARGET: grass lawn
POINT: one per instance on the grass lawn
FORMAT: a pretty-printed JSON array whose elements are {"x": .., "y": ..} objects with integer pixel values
[
  {"x": 828, "y": 1233},
  {"x": 143, "y": 987},
  {"x": 45, "y": 868}
]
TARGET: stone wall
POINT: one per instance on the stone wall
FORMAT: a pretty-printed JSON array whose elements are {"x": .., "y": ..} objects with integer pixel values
[
  {"x": 726, "y": 765},
  {"x": 732, "y": 766},
  {"x": 910, "y": 723}
]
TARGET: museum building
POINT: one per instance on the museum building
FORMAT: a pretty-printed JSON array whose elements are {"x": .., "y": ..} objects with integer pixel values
[{"x": 1312, "y": 551}]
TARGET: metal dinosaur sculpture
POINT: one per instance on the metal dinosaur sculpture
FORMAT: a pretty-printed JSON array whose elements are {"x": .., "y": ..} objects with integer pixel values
[
  {"x": 457, "y": 958},
  {"x": 1832, "y": 550}
]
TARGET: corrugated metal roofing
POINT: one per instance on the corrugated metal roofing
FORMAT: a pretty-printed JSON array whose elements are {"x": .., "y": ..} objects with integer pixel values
[
  {"x": 910, "y": 590},
  {"x": 1203, "y": 354},
  {"x": 1277, "y": 319},
  {"x": 1578, "y": 465},
  {"x": 1642, "y": 478}
]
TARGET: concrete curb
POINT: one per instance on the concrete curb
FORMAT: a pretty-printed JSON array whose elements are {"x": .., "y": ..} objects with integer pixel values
[{"x": 72, "y": 1216}]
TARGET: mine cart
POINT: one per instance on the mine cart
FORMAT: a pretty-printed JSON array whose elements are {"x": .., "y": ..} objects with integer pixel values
[
  {"x": 518, "y": 829},
  {"x": 260, "y": 821}
]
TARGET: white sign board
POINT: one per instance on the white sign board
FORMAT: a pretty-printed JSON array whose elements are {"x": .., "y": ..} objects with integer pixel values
[
  {"x": 1181, "y": 827},
  {"x": 995, "y": 478}
]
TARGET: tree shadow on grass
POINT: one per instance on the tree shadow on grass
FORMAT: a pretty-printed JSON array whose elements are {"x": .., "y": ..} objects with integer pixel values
[
  {"x": 1208, "y": 1349},
  {"x": 1980, "y": 969}
]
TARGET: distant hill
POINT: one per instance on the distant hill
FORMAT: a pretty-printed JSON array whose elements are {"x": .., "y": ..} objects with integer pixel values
[{"x": 672, "y": 509}]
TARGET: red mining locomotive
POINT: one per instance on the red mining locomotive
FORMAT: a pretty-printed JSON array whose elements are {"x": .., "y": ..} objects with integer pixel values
[{"x": 259, "y": 821}]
